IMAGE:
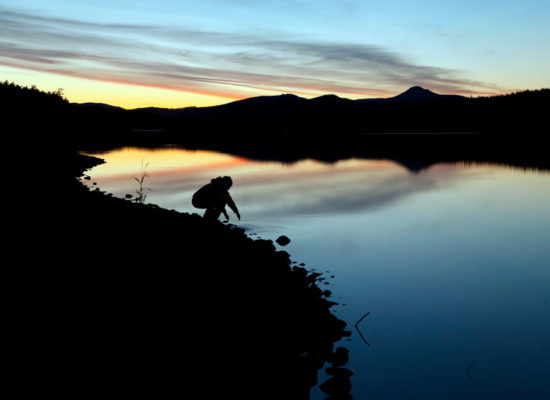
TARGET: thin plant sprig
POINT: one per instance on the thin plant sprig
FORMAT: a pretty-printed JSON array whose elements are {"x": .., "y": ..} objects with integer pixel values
[{"x": 142, "y": 190}]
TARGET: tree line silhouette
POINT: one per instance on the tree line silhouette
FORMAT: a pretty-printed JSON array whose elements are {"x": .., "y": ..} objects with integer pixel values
[
  {"x": 508, "y": 128},
  {"x": 520, "y": 114}
]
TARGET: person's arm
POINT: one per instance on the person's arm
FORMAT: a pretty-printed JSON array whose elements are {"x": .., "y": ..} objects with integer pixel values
[
  {"x": 225, "y": 214},
  {"x": 232, "y": 206}
]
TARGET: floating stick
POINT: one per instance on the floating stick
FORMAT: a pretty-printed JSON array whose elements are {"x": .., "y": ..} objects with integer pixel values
[{"x": 359, "y": 331}]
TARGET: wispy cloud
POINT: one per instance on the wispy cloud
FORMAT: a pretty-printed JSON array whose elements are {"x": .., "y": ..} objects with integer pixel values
[{"x": 220, "y": 63}]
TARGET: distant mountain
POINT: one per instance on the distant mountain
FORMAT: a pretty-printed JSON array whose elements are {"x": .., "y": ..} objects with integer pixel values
[
  {"x": 415, "y": 110},
  {"x": 97, "y": 105},
  {"x": 416, "y": 93},
  {"x": 328, "y": 103},
  {"x": 292, "y": 106},
  {"x": 266, "y": 101},
  {"x": 413, "y": 94},
  {"x": 329, "y": 99},
  {"x": 281, "y": 103}
]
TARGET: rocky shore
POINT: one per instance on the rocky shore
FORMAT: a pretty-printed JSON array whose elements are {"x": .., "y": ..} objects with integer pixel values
[{"x": 191, "y": 305}]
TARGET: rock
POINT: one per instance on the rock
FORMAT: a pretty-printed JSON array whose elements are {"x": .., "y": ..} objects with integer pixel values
[
  {"x": 265, "y": 245},
  {"x": 283, "y": 256},
  {"x": 339, "y": 372},
  {"x": 336, "y": 386},
  {"x": 300, "y": 272},
  {"x": 283, "y": 240},
  {"x": 339, "y": 357},
  {"x": 128, "y": 196}
]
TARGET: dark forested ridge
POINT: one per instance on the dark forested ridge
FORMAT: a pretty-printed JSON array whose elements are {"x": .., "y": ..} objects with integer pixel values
[
  {"x": 508, "y": 129},
  {"x": 415, "y": 110}
]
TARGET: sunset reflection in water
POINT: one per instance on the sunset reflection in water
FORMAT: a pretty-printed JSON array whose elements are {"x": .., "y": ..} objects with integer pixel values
[
  {"x": 264, "y": 189},
  {"x": 455, "y": 255}
]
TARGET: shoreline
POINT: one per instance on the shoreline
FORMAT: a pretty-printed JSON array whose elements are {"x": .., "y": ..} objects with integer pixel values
[{"x": 171, "y": 280}]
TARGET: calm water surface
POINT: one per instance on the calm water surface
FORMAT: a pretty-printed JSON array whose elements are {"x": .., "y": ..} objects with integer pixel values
[{"x": 453, "y": 262}]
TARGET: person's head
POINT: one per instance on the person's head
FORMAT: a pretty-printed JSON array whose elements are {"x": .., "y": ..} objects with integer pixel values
[
  {"x": 227, "y": 181},
  {"x": 223, "y": 181}
]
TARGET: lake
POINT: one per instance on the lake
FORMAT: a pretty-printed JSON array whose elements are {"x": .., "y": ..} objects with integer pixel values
[{"x": 452, "y": 262}]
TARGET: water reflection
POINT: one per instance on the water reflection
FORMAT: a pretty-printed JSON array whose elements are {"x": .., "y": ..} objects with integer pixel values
[
  {"x": 264, "y": 189},
  {"x": 451, "y": 261}
]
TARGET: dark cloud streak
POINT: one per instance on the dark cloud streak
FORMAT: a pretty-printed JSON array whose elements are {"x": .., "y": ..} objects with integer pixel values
[{"x": 202, "y": 61}]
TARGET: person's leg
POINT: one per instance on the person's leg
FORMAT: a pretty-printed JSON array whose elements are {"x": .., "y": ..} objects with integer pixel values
[{"x": 212, "y": 213}]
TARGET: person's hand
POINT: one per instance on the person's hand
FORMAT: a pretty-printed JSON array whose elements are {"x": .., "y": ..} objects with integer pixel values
[{"x": 238, "y": 215}]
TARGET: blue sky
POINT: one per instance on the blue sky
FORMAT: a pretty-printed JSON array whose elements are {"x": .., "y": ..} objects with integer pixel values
[{"x": 181, "y": 53}]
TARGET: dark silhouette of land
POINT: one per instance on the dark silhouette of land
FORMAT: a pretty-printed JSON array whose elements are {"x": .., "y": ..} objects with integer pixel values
[
  {"x": 416, "y": 128},
  {"x": 191, "y": 307},
  {"x": 200, "y": 306},
  {"x": 274, "y": 117}
]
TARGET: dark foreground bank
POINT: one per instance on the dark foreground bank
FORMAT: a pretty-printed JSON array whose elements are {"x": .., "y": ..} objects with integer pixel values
[{"x": 193, "y": 307}]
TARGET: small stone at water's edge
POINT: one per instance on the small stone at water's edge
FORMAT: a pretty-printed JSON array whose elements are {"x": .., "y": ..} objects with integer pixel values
[{"x": 283, "y": 240}]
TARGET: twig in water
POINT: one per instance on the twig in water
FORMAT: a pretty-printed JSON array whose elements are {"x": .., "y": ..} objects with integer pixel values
[
  {"x": 361, "y": 319},
  {"x": 468, "y": 371},
  {"x": 359, "y": 330}
]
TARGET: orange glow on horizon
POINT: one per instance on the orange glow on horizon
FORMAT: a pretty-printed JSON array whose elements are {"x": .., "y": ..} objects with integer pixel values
[
  {"x": 82, "y": 88},
  {"x": 127, "y": 94},
  {"x": 197, "y": 98}
]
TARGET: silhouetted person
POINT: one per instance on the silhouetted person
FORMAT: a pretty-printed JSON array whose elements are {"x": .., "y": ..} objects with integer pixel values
[{"x": 214, "y": 197}]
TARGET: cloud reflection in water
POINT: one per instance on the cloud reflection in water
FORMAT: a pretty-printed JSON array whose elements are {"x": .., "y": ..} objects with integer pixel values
[{"x": 270, "y": 189}]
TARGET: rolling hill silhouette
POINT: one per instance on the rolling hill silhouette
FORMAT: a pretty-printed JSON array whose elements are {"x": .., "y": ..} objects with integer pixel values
[
  {"x": 415, "y": 110},
  {"x": 413, "y": 94},
  {"x": 292, "y": 104},
  {"x": 98, "y": 105},
  {"x": 417, "y": 93}
]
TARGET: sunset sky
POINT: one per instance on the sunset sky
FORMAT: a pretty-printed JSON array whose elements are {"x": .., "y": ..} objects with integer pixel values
[{"x": 173, "y": 53}]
